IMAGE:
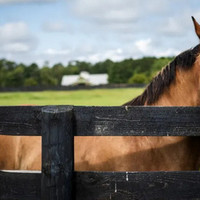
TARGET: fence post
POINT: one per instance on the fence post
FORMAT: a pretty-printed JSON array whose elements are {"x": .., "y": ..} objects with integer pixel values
[{"x": 57, "y": 153}]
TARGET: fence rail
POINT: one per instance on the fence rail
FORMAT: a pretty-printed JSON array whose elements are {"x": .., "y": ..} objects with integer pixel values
[
  {"x": 108, "y": 185},
  {"x": 106, "y": 121},
  {"x": 58, "y": 124}
]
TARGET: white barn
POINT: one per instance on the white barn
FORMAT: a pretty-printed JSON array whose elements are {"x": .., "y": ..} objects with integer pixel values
[{"x": 85, "y": 78}]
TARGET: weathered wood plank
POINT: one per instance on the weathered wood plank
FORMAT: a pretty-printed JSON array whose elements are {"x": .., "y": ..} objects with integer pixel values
[
  {"x": 109, "y": 185},
  {"x": 20, "y": 120},
  {"x": 146, "y": 121},
  {"x": 20, "y": 186},
  {"x": 57, "y": 153},
  {"x": 26, "y": 120},
  {"x": 137, "y": 186}
]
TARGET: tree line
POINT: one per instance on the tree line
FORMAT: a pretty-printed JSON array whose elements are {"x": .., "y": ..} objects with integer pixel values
[{"x": 127, "y": 71}]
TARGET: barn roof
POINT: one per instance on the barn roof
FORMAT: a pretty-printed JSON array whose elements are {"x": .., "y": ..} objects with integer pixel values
[{"x": 93, "y": 79}]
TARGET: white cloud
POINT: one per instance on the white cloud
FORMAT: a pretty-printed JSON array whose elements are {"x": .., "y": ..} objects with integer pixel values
[
  {"x": 117, "y": 11},
  {"x": 16, "y": 47},
  {"x": 109, "y": 14},
  {"x": 55, "y": 52},
  {"x": 16, "y": 38},
  {"x": 175, "y": 25},
  {"x": 13, "y": 31},
  {"x": 143, "y": 45},
  {"x": 66, "y": 55},
  {"x": 167, "y": 52},
  {"x": 23, "y": 1},
  {"x": 94, "y": 30},
  {"x": 113, "y": 54},
  {"x": 55, "y": 27},
  {"x": 147, "y": 47}
]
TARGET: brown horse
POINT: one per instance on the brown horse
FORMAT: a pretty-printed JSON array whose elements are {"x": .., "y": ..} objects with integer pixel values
[{"x": 178, "y": 84}]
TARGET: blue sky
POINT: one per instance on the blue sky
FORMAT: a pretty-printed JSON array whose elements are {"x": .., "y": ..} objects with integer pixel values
[{"x": 95, "y": 30}]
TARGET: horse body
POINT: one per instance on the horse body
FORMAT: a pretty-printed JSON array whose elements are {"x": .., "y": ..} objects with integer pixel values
[
  {"x": 20, "y": 152},
  {"x": 147, "y": 153},
  {"x": 137, "y": 154},
  {"x": 178, "y": 84}
]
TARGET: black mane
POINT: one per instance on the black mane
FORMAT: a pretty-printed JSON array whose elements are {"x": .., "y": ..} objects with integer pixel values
[{"x": 165, "y": 77}]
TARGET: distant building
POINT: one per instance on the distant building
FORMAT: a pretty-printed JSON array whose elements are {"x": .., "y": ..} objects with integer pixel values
[{"x": 84, "y": 78}]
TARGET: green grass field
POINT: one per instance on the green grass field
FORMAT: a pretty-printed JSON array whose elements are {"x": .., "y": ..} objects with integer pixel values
[{"x": 96, "y": 97}]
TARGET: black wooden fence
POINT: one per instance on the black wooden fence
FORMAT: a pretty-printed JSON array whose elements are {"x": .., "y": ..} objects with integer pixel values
[{"x": 58, "y": 124}]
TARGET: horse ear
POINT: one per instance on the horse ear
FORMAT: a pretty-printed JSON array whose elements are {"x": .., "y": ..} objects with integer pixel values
[{"x": 196, "y": 26}]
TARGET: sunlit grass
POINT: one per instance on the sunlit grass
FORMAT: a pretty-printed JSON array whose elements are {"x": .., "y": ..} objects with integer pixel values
[{"x": 95, "y": 97}]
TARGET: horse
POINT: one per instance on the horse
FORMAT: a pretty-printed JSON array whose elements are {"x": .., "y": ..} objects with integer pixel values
[{"x": 177, "y": 84}]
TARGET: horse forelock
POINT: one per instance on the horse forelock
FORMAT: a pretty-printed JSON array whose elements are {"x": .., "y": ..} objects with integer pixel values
[{"x": 166, "y": 77}]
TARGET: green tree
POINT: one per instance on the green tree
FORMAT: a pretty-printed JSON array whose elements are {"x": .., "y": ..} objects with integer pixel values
[
  {"x": 15, "y": 78},
  {"x": 83, "y": 66},
  {"x": 143, "y": 65},
  {"x": 120, "y": 72},
  {"x": 31, "y": 71},
  {"x": 9, "y": 65},
  {"x": 138, "y": 78},
  {"x": 75, "y": 67},
  {"x": 12, "y": 74},
  {"x": 3, "y": 73},
  {"x": 47, "y": 78},
  {"x": 72, "y": 68},
  {"x": 101, "y": 67},
  {"x": 58, "y": 70},
  {"x": 30, "y": 82}
]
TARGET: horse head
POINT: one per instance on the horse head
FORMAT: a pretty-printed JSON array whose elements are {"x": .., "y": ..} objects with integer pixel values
[{"x": 178, "y": 83}]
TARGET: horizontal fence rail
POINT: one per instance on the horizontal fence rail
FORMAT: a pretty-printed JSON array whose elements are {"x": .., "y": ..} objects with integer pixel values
[
  {"x": 138, "y": 121},
  {"x": 107, "y": 121},
  {"x": 20, "y": 120},
  {"x": 108, "y": 185},
  {"x": 57, "y": 180},
  {"x": 20, "y": 186},
  {"x": 140, "y": 186}
]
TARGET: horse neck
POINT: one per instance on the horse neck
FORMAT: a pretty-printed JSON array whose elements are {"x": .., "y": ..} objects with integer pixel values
[{"x": 184, "y": 91}]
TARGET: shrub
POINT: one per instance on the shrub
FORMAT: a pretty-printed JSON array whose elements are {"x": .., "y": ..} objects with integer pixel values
[{"x": 138, "y": 78}]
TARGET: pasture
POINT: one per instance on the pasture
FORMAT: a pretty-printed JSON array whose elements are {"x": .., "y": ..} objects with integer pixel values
[{"x": 94, "y": 97}]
